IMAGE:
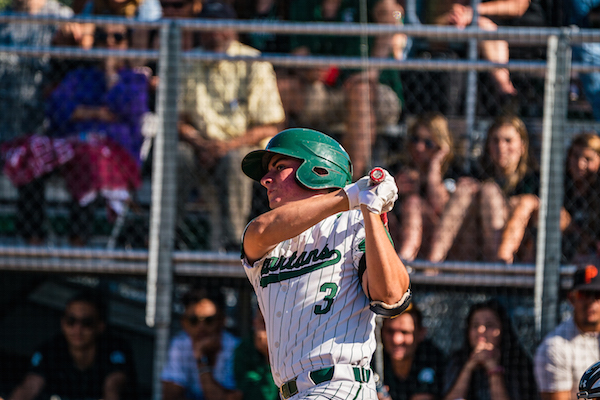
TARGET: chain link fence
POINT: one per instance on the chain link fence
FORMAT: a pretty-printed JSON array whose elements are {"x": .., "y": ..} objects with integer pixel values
[{"x": 100, "y": 188}]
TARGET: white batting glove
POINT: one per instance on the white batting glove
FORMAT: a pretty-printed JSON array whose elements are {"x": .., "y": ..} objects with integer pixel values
[
  {"x": 352, "y": 191},
  {"x": 380, "y": 198}
]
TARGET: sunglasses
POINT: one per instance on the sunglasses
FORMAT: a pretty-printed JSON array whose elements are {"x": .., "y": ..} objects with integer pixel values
[
  {"x": 429, "y": 144},
  {"x": 587, "y": 295},
  {"x": 102, "y": 37},
  {"x": 194, "y": 320},
  {"x": 85, "y": 322}
]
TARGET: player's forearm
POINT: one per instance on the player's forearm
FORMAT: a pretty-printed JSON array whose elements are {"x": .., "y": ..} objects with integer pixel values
[
  {"x": 290, "y": 220},
  {"x": 387, "y": 278}
]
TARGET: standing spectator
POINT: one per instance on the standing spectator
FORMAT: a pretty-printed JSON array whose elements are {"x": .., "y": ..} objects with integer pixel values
[
  {"x": 200, "y": 360},
  {"x": 413, "y": 365},
  {"x": 322, "y": 98},
  {"x": 98, "y": 111},
  {"x": 83, "y": 362},
  {"x": 229, "y": 108},
  {"x": 251, "y": 364},
  {"x": 425, "y": 184},
  {"x": 477, "y": 212},
  {"x": 567, "y": 352},
  {"x": 491, "y": 364},
  {"x": 580, "y": 214}
]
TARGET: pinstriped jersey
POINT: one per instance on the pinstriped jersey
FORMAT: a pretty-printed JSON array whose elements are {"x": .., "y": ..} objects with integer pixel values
[{"x": 310, "y": 294}]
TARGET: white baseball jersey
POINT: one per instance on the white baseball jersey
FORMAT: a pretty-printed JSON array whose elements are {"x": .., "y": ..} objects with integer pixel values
[{"x": 309, "y": 292}]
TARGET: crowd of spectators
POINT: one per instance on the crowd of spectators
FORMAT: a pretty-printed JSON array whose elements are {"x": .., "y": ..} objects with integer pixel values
[
  {"x": 87, "y": 360},
  {"x": 449, "y": 200},
  {"x": 84, "y": 121}
]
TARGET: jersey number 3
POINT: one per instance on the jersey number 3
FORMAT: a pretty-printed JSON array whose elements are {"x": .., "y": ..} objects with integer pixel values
[{"x": 332, "y": 288}]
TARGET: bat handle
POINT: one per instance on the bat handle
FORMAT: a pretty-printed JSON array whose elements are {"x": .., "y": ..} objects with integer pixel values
[{"x": 377, "y": 175}]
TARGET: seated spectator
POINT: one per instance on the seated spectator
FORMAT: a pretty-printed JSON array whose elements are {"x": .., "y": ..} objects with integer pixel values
[
  {"x": 413, "y": 365},
  {"x": 321, "y": 98},
  {"x": 424, "y": 184},
  {"x": 491, "y": 14},
  {"x": 25, "y": 81},
  {"x": 200, "y": 359},
  {"x": 83, "y": 362},
  {"x": 96, "y": 113},
  {"x": 491, "y": 364},
  {"x": 251, "y": 364},
  {"x": 228, "y": 108},
  {"x": 477, "y": 212},
  {"x": 566, "y": 352},
  {"x": 581, "y": 208}
]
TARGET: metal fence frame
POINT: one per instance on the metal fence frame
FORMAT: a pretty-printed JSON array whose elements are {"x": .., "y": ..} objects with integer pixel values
[{"x": 160, "y": 262}]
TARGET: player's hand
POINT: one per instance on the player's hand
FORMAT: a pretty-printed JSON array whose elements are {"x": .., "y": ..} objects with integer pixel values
[
  {"x": 380, "y": 198},
  {"x": 352, "y": 192}
]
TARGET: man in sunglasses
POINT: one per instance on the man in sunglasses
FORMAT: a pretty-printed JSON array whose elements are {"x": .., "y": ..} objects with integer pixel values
[
  {"x": 83, "y": 362},
  {"x": 200, "y": 359},
  {"x": 568, "y": 351}
]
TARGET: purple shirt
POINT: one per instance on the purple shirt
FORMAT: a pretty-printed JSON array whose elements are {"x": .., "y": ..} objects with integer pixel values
[{"x": 127, "y": 100}]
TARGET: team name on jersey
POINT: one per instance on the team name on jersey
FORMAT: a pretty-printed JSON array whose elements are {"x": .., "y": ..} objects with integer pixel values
[{"x": 277, "y": 269}]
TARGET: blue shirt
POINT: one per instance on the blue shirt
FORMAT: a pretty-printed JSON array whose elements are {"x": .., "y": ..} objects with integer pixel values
[{"x": 181, "y": 366}]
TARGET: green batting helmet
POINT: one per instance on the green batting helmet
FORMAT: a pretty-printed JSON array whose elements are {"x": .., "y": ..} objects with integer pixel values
[{"x": 325, "y": 162}]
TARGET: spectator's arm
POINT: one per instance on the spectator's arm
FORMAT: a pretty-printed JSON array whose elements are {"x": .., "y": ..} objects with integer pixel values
[
  {"x": 252, "y": 137},
  {"x": 556, "y": 395},
  {"x": 29, "y": 389},
  {"x": 114, "y": 385},
  {"x": 172, "y": 391},
  {"x": 504, "y": 8}
]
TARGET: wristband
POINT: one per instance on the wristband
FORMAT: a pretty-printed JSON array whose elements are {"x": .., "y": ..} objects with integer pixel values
[{"x": 496, "y": 370}]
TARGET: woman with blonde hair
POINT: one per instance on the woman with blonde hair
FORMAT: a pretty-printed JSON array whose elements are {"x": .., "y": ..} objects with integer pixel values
[
  {"x": 478, "y": 211},
  {"x": 424, "y": 183},
  {"x": 580, "y": 214}
]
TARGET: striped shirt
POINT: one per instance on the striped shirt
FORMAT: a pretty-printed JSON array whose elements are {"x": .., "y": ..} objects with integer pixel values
[{"x": 309, "y": 291}]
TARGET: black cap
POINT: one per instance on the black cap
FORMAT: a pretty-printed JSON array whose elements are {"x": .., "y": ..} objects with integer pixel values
[
  {"x": 586, "y": 279},
  {"x": 217, "y": 10}
]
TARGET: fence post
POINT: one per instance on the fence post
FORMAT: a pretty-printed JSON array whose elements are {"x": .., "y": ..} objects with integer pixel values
[
  {"x": 548, "y": 254},
  {"x": 163, "y": 214},
  {"x": 471, "y": 89}
]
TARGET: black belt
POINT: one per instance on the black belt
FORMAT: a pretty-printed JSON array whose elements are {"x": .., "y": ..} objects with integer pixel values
[{"x": 319, "y": 376}]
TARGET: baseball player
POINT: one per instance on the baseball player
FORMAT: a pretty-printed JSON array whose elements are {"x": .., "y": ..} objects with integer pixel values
[{"x": 322, "y": 265}]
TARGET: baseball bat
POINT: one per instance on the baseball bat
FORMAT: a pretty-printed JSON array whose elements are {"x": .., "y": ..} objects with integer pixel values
[{"x": 376, "y": 176}]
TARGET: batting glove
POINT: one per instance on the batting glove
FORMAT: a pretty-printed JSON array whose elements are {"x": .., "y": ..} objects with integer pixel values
[
  {"x": 380, "y": 198},
  {"x": 352, "y": 192}
]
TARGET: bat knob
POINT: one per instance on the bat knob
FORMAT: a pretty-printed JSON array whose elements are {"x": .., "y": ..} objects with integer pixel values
[{"x": 377, "y": 175}]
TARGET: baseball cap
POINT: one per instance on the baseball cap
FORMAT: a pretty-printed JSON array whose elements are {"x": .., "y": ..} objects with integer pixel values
[
  {"x": 586, "y": 279},
  {"x": 217, "y": 10}
]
